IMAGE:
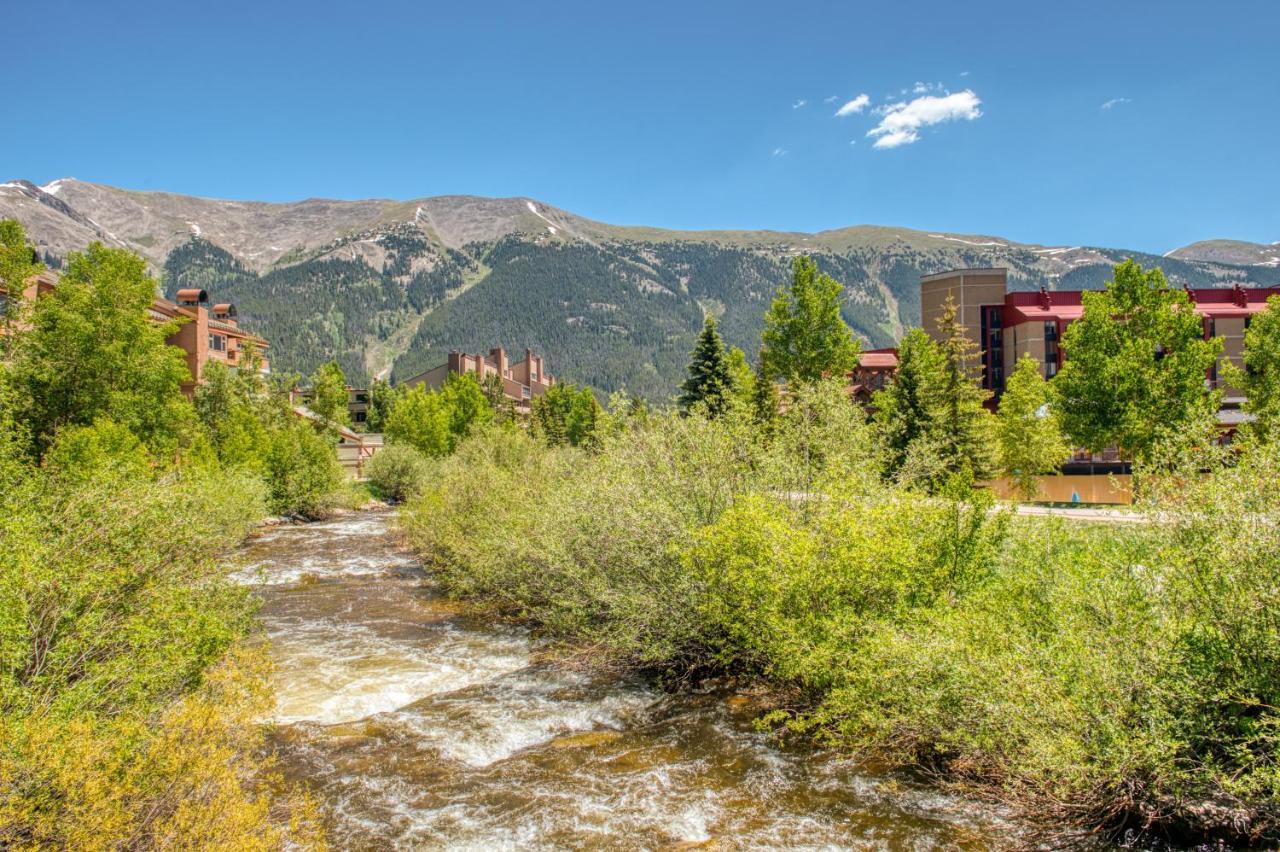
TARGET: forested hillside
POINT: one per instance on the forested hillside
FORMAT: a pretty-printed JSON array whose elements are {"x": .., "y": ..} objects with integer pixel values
[
  {"x": 615, "y": 314},
  {"x": 389, "y": 287}
]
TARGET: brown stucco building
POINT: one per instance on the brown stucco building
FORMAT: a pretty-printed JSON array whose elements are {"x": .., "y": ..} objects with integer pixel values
[
  {"x": 875, "y": 368},
  {"x": 208, "y": 332},
  {"x": 521, "y": 381}
]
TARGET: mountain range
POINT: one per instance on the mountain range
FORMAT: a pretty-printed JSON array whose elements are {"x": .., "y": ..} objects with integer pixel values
[{"x": 389, "y": 287}]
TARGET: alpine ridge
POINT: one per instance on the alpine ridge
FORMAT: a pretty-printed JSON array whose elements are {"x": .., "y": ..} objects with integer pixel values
[{"x": 388, "y": 287}]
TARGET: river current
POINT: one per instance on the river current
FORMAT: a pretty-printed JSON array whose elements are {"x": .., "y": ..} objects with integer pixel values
[{"x": 420, "y": 726}]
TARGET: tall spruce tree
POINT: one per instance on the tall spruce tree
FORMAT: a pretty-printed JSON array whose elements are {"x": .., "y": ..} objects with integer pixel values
[
  {"x": 710, "y": 382},
  {"x": 965, "y": 425},
  {"x": 908, "y": 409},
  {"x": 764, "y": 397},
  {"x": 805, "y": 337}
]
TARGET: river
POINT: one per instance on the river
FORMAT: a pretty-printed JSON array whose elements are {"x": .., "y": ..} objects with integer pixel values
[{"x": 418, "y": 725}]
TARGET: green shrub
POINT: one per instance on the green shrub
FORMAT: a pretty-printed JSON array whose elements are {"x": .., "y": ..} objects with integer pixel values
[
  {"x": 128, "y": 710},
  {"x": 302, "y": 471},
  {"x": 589, "y": 544},
  {"x": 84, "y": 452},
  {"x": 1114, "y": 677},
  {"x": 794, "y": 590},
  {"x": 398, "y": 472}
]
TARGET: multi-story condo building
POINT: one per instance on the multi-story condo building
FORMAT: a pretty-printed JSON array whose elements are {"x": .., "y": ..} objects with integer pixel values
[
  {"x": 357, "y": 403},
  {"x": 521, "y": 381},
  {"x": 208, "y": 333},
  {"x": 36, "y": 285},
  {"x": 1007, "y": 324}
]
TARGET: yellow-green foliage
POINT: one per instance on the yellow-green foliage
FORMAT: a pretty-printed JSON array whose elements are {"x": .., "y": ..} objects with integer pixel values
[
  {"x": 127, "y": 711},
  {"x": 592, "y": 543},
  {"x": 1110, "y": 677},
  {"x": 796, "y": 588},
  {"x": 398, "y": 472},
  {"x": 185, "y": 777}
]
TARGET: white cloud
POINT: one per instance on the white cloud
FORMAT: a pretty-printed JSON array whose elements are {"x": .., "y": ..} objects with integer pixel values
[
  {"x": 854, "y": 106},
  {"x": 1114, "y": 102},
  {"x": 830, "y": 100},
  {"x": 901, "y": 122},
  {"x": 964, "y": 73},
  {"x": 799, "y": 103},
  {"x": 779, "y": 152}
]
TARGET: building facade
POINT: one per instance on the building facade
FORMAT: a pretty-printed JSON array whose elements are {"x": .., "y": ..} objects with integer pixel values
[
  {"x": 1007, "y": 324},
  {"x": 207, "y": 332},
  {"x": 875, "y": 368},
  {"x": 36, "y": 286},
  {"x": 521, "y": 381}
]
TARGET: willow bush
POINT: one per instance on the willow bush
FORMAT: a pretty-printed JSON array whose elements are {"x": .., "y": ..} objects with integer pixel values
[
  {"x": 128, "y": 701},
  {"x": 1114, "y": 678}
]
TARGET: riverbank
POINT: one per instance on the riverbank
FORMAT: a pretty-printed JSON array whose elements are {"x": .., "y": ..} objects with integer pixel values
[
  {"x": 418, "y": 721},
  {"x": 1105, "y": 679}
]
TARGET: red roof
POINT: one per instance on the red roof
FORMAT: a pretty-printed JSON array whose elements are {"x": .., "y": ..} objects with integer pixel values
[
  {"x": 878, "y": 359},
  {"x": 1067, "y": 305}
]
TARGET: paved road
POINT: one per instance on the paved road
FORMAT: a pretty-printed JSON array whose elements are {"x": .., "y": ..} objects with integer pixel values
[{"x": 1112, "y": 516}]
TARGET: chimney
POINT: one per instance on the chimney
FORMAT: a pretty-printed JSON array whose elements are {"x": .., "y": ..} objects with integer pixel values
[
  {"x": 1045, "y": 301},
  {"x": 226, "y": 312},
  {"x": 192, "y": 297},
  {"x": 499, "y": 360}
]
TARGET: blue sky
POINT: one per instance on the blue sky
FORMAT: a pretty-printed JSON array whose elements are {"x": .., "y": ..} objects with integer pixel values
[{"x": 683, "y": 115}]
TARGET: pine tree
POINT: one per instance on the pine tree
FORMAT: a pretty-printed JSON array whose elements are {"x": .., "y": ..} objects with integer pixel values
[
  {"x": 764, "y": 398},
  {"x": 710, "y": 382},
  {"x": 965, "y": 425},
  {"x": 908, "y": 409}
]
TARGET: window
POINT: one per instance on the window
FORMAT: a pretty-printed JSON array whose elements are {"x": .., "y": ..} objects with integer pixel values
[
  {"x": 524, "y": 392},
  {"x": 1050, "y": 330},
  {"x": 1050, "y": 369},
  {"x": 992, "y": 347},
  {"x": 362, "y": 397},
  {"x": 218, "y": 342},
  {"x": 360, "y": 417}
]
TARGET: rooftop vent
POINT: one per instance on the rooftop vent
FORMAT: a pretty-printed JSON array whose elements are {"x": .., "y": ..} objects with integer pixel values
[{"x": 224, "y": 311}]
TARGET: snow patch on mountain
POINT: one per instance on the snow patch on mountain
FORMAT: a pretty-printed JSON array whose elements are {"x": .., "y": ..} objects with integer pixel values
[{"x": 969, "y": 242}]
